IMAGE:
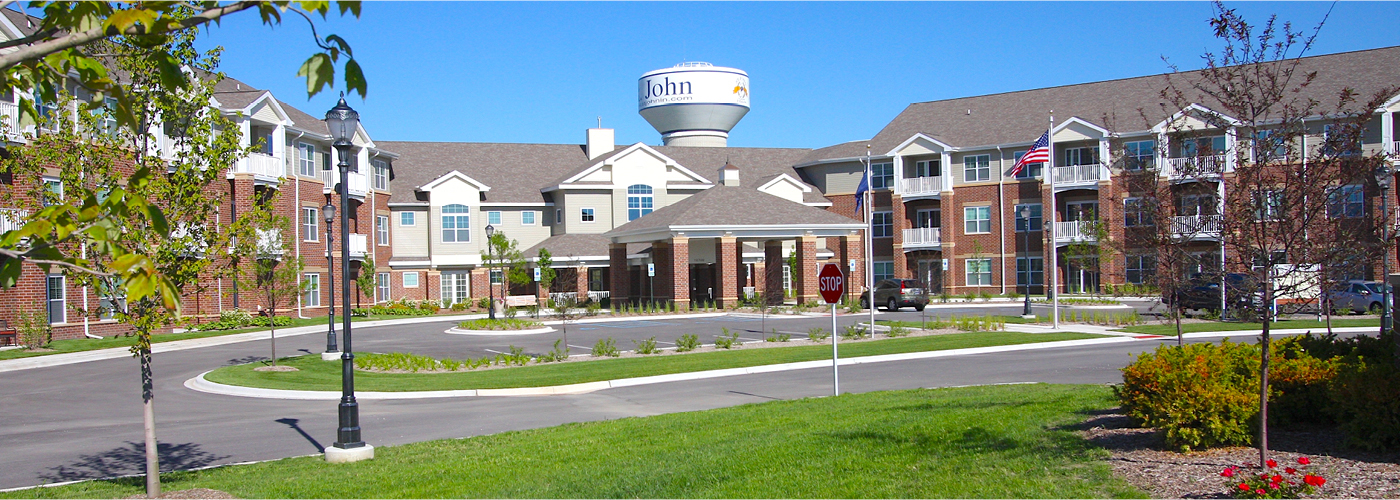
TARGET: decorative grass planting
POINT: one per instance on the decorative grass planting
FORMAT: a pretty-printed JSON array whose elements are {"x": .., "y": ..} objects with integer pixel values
[
  {"x": 1214, "y": 326},
  {"x": 974, "y": 442},
  {"x": 500, "y": 324}
]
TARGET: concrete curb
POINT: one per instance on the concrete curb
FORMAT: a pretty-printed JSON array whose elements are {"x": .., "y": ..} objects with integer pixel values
[
  {"x": 461, "y": 331},
  {"x": 202, "y": 385}
]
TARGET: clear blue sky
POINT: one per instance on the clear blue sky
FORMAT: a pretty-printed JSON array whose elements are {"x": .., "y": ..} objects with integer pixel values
[{"x": 821, "y": 73}]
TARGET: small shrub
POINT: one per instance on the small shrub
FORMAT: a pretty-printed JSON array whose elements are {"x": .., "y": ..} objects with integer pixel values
[
  {"x": 727, "y": 339},
  {"x": 511, "y": 312},
  {"x": 944, "y": 296},
  {"x": 34, "y": 329},
  {"x": 817, "y": 334},
  {"x": 985, "y": 296},
  {"x": 778, "y": 337},
  {"x": 517, "y": 357},
  {"x": 647, "y": 346},
  {"x": 559, "y": 353},
  {"x": 499, "y": 324},
  {"x": 458, "y": 306},
  {"x": 606, "y": 347},
  {"x": 1364, "y": 402},
  {"x": 482, "y": 303},
  {"x": 687, "y": 342},
  {"x": 237, "y": 317},
  {"x": 1198, "y": 395},
  {"x": 969, "y": 296},
  {"x": 852, "y": 332},
  {"x": 898, "y": 331}
]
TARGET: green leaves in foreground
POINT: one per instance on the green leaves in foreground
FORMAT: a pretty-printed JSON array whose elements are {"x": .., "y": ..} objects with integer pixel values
[{"x": 987, "y": 442}]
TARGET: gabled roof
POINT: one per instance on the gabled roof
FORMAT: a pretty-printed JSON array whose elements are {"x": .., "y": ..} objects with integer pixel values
[
  {"x": 598, "y": 163},
  {"x": 515, "y": 172},
  {"x": 734, "y": 207},
  {"x": 458, "y": 176}
]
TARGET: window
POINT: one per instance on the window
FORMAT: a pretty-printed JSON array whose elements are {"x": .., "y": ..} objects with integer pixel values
[
  {"x": 109, "y": 301},
  {"x": 310, "y": 224},
  {"x": 882, "y": 225},
  {"x": 53, "y": 191},
  {"x": 1268, "y": 205},
  {"x": 406, "y": 219},
  {"x": 1030, "y": 271},
  {"x": 58, "y": 299},
  {"x": 48, "y": 113},
  {"x": 1138, "y": 155},
  {"x": 587, "y": 215},
  {"x": 1140, "y": 268},
  {"x": 312, "y": 296},
  {"x": 639, "y": 201},
  {"x": 1274, "y": 258},
  {"x": 456, "y": 287},
  {"x": 306, "y": 159},
  {"x": 979, "y": 272},
  {"x": 493, "y": 218},
  {"x": 1081, "y": 156},
  {"x": 883, "y": 270},
  {"x": 456, "y": 224},
  {"x": 381, "y": 175},
  {"x": 109, "y": 117},
  {"x": 1031, "y": 170},
  {"x": 1346, "y": 201},
  {"x": 558, "y": 215},
  {"x": 928, "y": 168},
  {"x": 928, "y": 218},
  {"x": 381, "y": 236},
  {"x": 410, "y": 279},
  {"x": 595, "y": 279},
  {"x": 1202, "y": 146},
  {"x": 1137, "y": 212},
  {"x": 1338, "y": 139},
  {"x": 977, "y": 220},
  {"x": 381, "y": 288},
  {"x": 977, "y": 168},
  {"x": 497, "y": 276},
  {"x": 326, "y": 163},
  {"x": 1035, "y": 222},
  {"x": 1269, "y": 147},
  {"x": 1081, "y": 210},
  {"x": 881, "y": 175},
  {"x": 527, "y": 218}
]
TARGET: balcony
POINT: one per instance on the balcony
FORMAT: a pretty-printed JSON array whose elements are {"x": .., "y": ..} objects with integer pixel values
[
  {"x": 1196, "y": 226},
  {"x": 9, "y": 119},
  {"x": 921, "y": 186},
  {"x": 1206, "y": 168},
  {"x": 1078, "y": 176},
  {"x": 359, "y": 183},
  {"x": 270, "y": 244},
  {"x": 265, "y": 168},
  {"x": 359, "y": 246},
  {"x": 11, "y": 219},
  {"x": 1076, "y": 231},
  {"x": 921, "y": 237}
]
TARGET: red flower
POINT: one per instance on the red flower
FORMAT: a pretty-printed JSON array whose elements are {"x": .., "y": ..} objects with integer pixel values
[
  {"x": 1290, "y": 470},
  {"x": 1271, "y": 463},
  {"x": 1312, "y": 480},
  {"x": 1259, "y": 491},
  {"x": 1276, "y": 478},
  {"x": 1246, "y": 486},
  {"x": 1273, "y": 486},
  {"x": 1304, "y": 460}
]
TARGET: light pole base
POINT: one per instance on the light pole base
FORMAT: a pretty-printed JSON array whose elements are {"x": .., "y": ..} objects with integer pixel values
[
  {"x": 330, "y": 356},
  {"x": 346, "y": 455},
  {"x": 1028, "y": 316}
]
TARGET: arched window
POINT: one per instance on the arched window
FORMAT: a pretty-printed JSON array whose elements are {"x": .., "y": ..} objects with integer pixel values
[
  {"x": 639, "y": 201},
  {"x": 456, "y": 224}
]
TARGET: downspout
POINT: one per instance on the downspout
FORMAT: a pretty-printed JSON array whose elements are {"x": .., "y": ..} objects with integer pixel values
[
  {"x": 296, "y": 224},
  {"x": 1001, "y": 216}
]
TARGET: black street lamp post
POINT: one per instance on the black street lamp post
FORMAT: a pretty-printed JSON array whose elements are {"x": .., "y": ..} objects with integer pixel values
[
  {"x": 348, "y": 447},
  {"x": 1026, "y": 216},
  {"x": 329, "y": 212},
  {"x": 490, "y": 268},
  {"x": 1383, "y": 179}
]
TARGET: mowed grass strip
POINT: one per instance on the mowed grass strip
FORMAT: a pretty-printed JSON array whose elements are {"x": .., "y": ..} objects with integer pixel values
[
  {"x": 1217, "y": 326},
  {"x": 1015, "y": 441},
  {"x": 317, "y": 375}
]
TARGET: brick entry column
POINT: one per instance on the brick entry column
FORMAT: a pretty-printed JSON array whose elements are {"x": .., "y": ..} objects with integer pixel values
[
  {"x": 730, "y": 263},
  {"x": 617, "y": 271},
  {"x": 581, "y": 283},
  {"x": 773, "y": 272},
  {"x": 804, "y": 279},
  {"x": 480, "y": 280},
  {"x": 901, "y": 261},
  {"x": 851, "y": 249},
  {"x": 674, "y": 276}
]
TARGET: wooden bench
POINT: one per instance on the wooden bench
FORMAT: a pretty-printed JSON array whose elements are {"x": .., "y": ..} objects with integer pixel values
[{"x": 8, "y": 336}]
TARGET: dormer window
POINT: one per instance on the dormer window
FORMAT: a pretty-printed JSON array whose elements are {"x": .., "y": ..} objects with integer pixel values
[{"x": 639, "y": 201}]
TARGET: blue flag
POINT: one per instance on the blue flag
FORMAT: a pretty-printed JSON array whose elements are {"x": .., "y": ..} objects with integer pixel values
[{"x": 861, "y": 189}]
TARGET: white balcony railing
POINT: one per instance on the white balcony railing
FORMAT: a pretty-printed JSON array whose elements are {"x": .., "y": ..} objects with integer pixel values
[
  {"x": 1197, "y": 166},
  {"x": 1193, "y": 226},
  {"x": 1078, "y": 174},
  {"x": 922, "y": 186},
  {"x": 11, "y": 219},
  {"x": 359, "y": 183},
  {"x": 9, "y": 118},
  {"x": 1075, "y": 231},
  {"x": 270, "y": 242},
  {"x": 921, "y": 236},
  {"x": 260, "y": 165},
  {"x": 359, "y": 246}
]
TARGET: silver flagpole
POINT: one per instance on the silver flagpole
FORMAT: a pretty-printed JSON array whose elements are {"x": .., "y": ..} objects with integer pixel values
[
  {"x": 1054, "y": 216},
  {"x": 869, "y": 245}
]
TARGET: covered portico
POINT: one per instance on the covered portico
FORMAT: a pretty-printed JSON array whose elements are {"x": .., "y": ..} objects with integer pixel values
[{"x": 700, "y": 240}]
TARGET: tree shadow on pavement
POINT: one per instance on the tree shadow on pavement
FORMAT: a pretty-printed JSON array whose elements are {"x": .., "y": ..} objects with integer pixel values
[{"x": 131, "y": 459}]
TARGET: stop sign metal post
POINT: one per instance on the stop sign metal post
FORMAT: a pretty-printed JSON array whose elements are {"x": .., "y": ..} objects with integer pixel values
[{"x": 831, "y": 282}]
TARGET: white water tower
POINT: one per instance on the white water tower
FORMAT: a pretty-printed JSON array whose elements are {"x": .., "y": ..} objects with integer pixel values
[{"x": 693, "y": 104}]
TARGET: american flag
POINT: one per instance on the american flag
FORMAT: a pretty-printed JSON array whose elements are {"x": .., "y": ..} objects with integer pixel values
[{"x": 1039, "y": 153}]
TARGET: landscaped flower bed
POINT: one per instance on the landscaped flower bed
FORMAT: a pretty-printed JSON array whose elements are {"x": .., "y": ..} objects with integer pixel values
[{"x": 499, "y": 324}]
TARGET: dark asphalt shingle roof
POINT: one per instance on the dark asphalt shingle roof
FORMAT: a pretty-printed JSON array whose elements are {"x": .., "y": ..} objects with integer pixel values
[
  {"x": 732, "y": 206},
  {"x": 515, "y": 172}
]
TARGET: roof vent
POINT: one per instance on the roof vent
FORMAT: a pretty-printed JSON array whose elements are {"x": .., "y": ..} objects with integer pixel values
[{"x": 729, "y": 175}]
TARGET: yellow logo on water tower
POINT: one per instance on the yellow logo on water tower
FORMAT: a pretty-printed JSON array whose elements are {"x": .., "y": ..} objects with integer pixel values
[{"x": 741, "y": 88}]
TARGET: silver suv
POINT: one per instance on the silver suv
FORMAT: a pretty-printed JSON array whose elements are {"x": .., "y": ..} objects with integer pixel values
[
  {"x": 894, "y": 294},
  {"x": 1358, "y": 296}
]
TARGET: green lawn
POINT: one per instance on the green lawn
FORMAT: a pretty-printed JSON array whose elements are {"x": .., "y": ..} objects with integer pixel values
[
  {"x": 975, "y": 442},
  {"x": 1218, "y": 326},
  {"x": 79, "y": 345},
  {"x": 933, "y": 317},
  {"x": 315, "y": 374}
]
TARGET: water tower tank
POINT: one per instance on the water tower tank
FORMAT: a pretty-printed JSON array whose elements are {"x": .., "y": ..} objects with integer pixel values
[{"x": 693, "y": 104}]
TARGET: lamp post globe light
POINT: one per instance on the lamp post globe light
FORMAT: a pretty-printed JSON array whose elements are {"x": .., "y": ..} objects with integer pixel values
[
  {"x": 332, "y": 352},
  {"x": 1026, "y": 216},
  {"x": 348, "y": 447},
  {"x": 490, "y": 267},
  {"x": 1384, "y": 176}
]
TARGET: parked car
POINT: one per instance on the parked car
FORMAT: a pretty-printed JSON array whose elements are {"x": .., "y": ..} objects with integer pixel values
[
  {"x": 897, "y": 293},
  {"x": 1358, "y": 296},
  {"x": 1202, "y": 291}
]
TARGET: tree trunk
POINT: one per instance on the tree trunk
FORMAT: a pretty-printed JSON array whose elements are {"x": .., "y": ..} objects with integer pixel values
[
  {"x": 1264, "y": 376},
  {"x": 148, "y": 417},
  {"x": 272, "y": 324}
]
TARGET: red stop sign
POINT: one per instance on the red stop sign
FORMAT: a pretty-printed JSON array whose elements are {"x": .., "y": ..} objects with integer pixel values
[{"x": 832, "y": 283}]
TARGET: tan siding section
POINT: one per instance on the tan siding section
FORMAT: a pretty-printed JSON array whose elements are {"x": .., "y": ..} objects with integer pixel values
[{"x": 409, "y": 241}]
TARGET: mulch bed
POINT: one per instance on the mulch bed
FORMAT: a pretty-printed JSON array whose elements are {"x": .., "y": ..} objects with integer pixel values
[
  {"x": 1139, "y": 457},
  {"x": 200, "y": 493}
]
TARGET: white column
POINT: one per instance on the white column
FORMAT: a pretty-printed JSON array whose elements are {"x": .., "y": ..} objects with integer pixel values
[
  {"x": 899, "y": 174},
  {"x": 1163, "y": 146},
  {"x": 1388, "y": 132},
  {"x": 1231, "y": 145},
  {"x": 946, "y": 159},
  {"x": 1105, "y": 158}
]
